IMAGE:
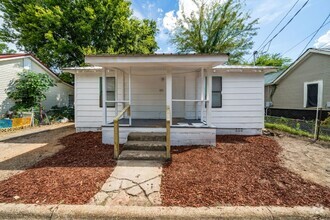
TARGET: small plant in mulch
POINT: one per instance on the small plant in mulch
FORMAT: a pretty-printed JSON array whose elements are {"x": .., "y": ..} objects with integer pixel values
[
  {"x": 72, "y": 176},
  {"x": 240, "y": 170}
]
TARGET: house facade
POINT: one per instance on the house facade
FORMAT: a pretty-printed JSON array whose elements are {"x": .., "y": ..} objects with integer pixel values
[
  {"x": 302, "y": 88},
  {"x": 12, "y": 64},
  {"x": 196, "y": 94}
]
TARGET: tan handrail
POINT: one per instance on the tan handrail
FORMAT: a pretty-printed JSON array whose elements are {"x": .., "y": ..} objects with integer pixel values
[
  {"x": 116, "y": 129},
  {"x": 168, "y": 132}
]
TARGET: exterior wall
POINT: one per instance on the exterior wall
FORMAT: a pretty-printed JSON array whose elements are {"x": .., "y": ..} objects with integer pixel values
[
  {"x": 289, "y": 93},
  {"x": 179, "y": 136},
  {"x": 58, "y": 95},
  {"x": 8, "y": 72},
  {"x": 242, "y": 109}
]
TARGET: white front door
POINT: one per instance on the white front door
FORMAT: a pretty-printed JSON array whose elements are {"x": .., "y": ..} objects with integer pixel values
[{"x": 178, "y": 92}]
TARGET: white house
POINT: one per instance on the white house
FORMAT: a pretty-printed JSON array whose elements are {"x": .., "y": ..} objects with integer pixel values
[
  {"x": 197, "y": 95},
  {"x": 11, "y": 64},
  {"x": 191, "y": 97}
]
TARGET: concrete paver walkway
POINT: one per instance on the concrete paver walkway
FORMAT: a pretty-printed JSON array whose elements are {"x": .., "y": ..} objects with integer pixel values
[{"x": 134, "y": 183}]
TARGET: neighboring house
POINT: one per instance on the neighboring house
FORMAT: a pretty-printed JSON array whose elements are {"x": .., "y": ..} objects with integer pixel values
[
  {"x": 12, "y": 64},
  {"x": 302, "y": 88},
  {"x": 203, "y": 97}
]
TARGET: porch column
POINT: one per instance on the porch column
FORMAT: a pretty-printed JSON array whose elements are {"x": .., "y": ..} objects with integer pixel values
[
  {"x": 209, "y": 98},
  {"x": 169, "y": 91},
  {"x": 202, "y": 94},
  {"x": 104, "y": 96},
  {"x": 130, "y": 95}
]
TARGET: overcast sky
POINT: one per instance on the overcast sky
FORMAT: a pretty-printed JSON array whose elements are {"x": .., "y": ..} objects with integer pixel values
[{"x": 269, "y": 12}]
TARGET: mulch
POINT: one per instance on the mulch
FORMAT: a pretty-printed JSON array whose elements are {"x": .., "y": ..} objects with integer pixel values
[
  {"x": 72, "y": 176},
  {"x": 240, "y": 170}
]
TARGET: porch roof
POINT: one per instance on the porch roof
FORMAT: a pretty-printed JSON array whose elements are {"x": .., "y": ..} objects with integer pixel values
[{"x": 157, "y": 60}]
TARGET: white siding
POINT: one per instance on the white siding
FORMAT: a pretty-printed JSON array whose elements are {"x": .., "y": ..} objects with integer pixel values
[
  {"x": 242, "y": 104},
  {"x": 8, "y": 72},
  {"x": 58, "y": 95}
]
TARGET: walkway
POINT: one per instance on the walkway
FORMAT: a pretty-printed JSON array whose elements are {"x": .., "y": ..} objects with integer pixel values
[{"x": 132, "y": 183}]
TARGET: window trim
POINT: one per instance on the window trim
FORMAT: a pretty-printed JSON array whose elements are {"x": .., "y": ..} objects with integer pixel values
[
  {"x": 319, "y": 93},
  {"x": 220, "y": 91},
  {"x": 113, "y": 105}
]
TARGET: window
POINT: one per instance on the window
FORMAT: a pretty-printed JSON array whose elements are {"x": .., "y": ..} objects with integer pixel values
[
  {"x": 313, "y": 94},
  {"x": 216, "y": 92},
  {"x": 111, "y": 91}
]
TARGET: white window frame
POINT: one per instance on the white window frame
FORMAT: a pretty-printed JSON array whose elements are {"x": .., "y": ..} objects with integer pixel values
[{"x": 319, "y": 92}]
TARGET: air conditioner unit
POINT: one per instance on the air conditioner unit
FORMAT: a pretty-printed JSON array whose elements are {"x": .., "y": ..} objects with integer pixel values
[{"x": 269, "y": 104}]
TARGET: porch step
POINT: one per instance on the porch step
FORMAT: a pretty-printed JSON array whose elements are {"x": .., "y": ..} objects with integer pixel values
[
  {"x": 142, "y": 155},
  {"x": 147, "y": 136},
  {"x": 145, "y": 145}
]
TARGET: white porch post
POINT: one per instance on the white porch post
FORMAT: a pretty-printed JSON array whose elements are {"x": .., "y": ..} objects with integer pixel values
[
  {"x": 130, "y": 95},
  {"x": 202, "y": 94},
  {"x": 169, "y": 91},
  {"x": 209, "y": 98},
  {"x": 104, "y": 96}
]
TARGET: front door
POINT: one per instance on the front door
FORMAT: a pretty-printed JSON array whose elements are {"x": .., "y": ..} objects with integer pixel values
[{"x": 178, "y": 92}]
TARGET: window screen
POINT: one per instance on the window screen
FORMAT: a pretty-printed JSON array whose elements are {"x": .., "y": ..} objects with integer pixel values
[
  {"x": 111, "y": 91},
  {"x": 71, "y": 100},
  {"x": 216, "y": 92},
  {"x": 312, "y": 95}
]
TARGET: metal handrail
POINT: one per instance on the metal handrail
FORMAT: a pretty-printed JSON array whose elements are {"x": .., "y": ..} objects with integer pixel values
[
  {"x": 116, "y": 129},
  {"x": 168, "y": 132}
]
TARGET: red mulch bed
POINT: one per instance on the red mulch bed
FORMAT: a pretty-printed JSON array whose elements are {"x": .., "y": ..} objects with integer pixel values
[
  {"x": 240, "y": 170},
  {"x": 72, "y": 176}
]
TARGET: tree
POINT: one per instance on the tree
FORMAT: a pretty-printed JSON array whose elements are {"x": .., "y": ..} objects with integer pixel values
[
  {"x": 67, "y": 77},
  {"x": 275, "y": 60},
  {"x": 215, "y": 28},
  {"x": 61, "y": 32},
  {"x": 29, "y": 89},
  {"x": 4, "y": 49}
]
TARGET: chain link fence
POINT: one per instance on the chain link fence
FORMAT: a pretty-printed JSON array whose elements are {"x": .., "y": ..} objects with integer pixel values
[{"x": 299, "y": 125}]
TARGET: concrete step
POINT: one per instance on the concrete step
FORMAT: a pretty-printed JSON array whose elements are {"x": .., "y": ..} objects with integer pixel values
[
  {"x": 146, "y": 136},
  {"x": 145, "y": 145},
  {"x": 142, "y": 155}
]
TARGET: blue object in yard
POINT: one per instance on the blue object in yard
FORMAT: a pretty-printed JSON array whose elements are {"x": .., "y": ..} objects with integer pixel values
[{"x": 6, "y": 123}]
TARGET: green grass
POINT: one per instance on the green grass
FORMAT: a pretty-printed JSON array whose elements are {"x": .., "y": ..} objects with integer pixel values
[{"x": 285, "y": 128}]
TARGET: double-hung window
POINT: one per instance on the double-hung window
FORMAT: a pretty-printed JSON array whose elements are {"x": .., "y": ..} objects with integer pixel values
[
  {"x": 111, "y": 91},
  {"x": 216, "y": 92}
]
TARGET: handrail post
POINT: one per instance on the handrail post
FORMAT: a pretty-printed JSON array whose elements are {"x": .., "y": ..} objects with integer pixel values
[
  {"x": 168, "y": 133},
  {"x": 116, "y": 130},
  {"x": 116, "y": 138}
]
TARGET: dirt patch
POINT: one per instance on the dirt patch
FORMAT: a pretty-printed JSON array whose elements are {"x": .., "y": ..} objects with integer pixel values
[
  {"x": 72, "y": 176},
  {"x": 22, "y": 152},
  {"x": 310, "y": 160},
  {"x": 240, "y": 170}
]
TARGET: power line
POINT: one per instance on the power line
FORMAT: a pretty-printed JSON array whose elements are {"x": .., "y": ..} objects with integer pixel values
[
  {"x": 278, "y": 24},
  {"x": 270, "y": 41},
  {"x": 304, "y": 40},
  {"x": 316, "y": 32}
]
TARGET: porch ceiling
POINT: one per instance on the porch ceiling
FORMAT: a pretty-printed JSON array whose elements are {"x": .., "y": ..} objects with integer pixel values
[{"x": 159, "y": 60}]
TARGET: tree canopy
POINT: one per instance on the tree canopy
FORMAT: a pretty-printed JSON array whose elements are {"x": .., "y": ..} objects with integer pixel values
[
  {"x": 276, "y": 60},
  {"x": 60, "y": 32},
  {"x": 215, "y": 27},
  {"x": 29, "y": 90},
  {"x": 4, "y": 49}
]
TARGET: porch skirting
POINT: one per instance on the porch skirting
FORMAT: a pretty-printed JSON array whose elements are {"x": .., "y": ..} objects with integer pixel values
[{"x": 184, "y": 136}]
